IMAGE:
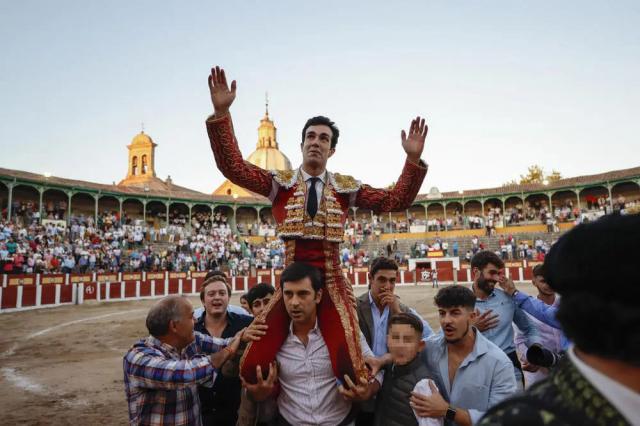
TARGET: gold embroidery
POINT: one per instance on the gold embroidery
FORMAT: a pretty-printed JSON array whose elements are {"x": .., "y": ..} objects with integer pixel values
[
  {"x": 335, "y": 285},
  {"x": 285, "y": 178},
  {"x": 344, "y": 183}
]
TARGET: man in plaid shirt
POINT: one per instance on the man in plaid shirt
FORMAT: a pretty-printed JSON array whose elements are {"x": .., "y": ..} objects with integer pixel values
[{"x": 162, "y": 371}]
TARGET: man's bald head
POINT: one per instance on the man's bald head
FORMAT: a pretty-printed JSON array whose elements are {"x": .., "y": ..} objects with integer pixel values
[{"x": 170, "y": 308}]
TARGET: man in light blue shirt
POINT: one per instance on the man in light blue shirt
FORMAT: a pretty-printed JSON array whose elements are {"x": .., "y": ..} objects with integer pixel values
[
  {"x": 471, "y": 373},
  {"x": 497, "y": 311},
  {"x": 536, "y": 308}
]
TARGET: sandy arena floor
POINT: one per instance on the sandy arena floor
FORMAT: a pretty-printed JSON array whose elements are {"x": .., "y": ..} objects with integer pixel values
[{"x": 63, "y": 366}]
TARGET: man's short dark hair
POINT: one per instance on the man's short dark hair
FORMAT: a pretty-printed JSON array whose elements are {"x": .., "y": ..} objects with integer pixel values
[
  {"x": 482, "y": 258},
  {"x": 455, "y": 296},
  {"x": 300, "y": 270},
  {"x": 408, "y": 319},
  {"x": 322, "y": 121},
  {"x": 538, "y": 270},
  {"x": 259, "y": 291},
  {"x": 382, "y": 263},
  {"x": 594, "y": 267}
]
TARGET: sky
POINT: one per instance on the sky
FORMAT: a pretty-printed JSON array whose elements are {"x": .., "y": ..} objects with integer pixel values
[{"x": 502, "y": 84}]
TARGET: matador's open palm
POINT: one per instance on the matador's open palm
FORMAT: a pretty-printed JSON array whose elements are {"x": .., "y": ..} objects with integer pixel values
[
  {"x": 221, "y": 95},
  {"x": 413, "y": 143}
]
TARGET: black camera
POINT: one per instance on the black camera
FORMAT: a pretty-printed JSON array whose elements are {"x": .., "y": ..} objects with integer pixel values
[{"x": 538, "y": 355}]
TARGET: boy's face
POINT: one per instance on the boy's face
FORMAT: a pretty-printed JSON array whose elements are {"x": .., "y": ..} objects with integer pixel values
[
  {"x": 404, "y": 343},
  {"x": 258, "y": 305}
]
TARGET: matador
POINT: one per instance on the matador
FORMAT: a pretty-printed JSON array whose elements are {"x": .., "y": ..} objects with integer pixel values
[{"x": 310, "y": 207}]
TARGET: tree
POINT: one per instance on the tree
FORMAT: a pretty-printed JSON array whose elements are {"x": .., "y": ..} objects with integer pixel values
[{"x": 535, "y": 174}]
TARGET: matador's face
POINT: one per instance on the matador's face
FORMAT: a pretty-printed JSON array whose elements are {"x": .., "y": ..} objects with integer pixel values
[{"x": 316, "y": 148}]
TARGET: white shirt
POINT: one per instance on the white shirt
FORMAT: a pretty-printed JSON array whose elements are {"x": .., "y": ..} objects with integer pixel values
[
  {"x": 309, "y": 390},
  {"x": 319, "y": 184},
  {"x": 624, "y": 399},
  {"x": 319, "y": 187},
  {"x": 422, "y": 387}
]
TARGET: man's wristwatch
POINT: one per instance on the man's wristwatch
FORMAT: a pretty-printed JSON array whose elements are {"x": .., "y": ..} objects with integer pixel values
[
  {"x": 451, "y": 413},
  {"x": 514, "y": 293}
]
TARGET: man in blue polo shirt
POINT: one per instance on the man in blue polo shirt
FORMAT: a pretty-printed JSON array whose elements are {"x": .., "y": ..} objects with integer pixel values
[{"x": 497, "y": 310}]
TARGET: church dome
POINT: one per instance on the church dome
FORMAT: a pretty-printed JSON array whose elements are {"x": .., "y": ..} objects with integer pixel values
[
  {"x": 267, "y": 154},
  {"x": 270, "y": 159},
  {"x": 142, "y": 139}
]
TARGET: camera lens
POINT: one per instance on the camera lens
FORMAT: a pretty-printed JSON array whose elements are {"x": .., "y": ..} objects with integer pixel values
[{"x": 537, "y": 355}]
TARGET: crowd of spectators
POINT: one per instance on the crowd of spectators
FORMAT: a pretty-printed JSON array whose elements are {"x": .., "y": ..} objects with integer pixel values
[
  {"x": 29, "y": 243},
  {"x": 114, "y": 244}
]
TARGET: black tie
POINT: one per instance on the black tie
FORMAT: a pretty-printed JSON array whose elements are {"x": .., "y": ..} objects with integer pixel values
[{"x": 312, "y": 199}]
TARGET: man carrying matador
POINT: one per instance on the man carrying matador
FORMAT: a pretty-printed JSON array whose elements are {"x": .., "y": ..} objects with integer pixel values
[{"x": 310, "y": 206}]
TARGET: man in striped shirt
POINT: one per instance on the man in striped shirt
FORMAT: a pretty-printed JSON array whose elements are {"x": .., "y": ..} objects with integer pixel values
[{"x": 162, "y": 371}]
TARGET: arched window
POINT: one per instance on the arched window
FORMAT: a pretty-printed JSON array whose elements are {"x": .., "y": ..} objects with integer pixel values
[
  {"x": 229, "y": 191},
  {"x": 134, "y": 166},
  {"x": 144, "y": 164}
]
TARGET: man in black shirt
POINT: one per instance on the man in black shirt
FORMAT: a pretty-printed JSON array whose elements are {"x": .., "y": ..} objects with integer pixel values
[{"x": 219, "y": 403}]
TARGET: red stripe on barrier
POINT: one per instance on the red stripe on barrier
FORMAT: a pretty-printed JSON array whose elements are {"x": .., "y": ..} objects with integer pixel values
[
  {"x": 199, "y": 281},
  {"x": 130, "y": 289},
  {"x": 145, "y": 288},
  {"x": 160, "y": 285},
  {"x": 174, "y": 286},
  {"x": 362, "y": 278},
  {"x": 528, "y": 273},
  {"x": 115, "y": 290},
  {"x": 9, "y": 297},
  {"x": 48, "y": 295},
  {"x": 66, "y": 293},
  {"x": 238, "y": 283},
  {"x": 28, "y": 295},
  {"x": 514, "y": 273},
  {"x": 253, "y": 281}
]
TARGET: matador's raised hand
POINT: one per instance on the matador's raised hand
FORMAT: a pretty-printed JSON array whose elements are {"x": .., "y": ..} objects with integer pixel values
[
  {"x": 221, "y": 96},
  {"x": 413, "y": 143}
]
